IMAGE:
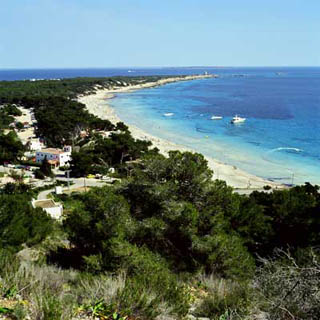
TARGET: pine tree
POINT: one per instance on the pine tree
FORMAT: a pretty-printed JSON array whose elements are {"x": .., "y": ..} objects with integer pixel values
[{"x": 45, "y": 168}]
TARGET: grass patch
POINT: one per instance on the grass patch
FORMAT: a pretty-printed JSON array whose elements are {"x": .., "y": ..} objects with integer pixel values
[
  {"x": 223, "y": 299},
  {"x": 48, "y": 292}
]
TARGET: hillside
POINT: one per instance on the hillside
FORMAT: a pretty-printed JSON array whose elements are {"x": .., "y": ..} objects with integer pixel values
[{"x": 164, "y": 241}]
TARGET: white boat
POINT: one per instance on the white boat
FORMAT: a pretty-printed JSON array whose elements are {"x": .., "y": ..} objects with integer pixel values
[
  {"x": 237, "y": 119},
  {"x": 216, "y": 118},
  {"x": 169, "y": 114}
]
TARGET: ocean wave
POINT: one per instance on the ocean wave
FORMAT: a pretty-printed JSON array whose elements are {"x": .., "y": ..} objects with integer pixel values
[
  {"x": 266, "y": 155},
  {"x": 202, "y": 130},
  {"x": 285, "y": 148}
]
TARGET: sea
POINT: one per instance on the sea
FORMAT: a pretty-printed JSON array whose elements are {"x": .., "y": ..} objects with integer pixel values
[{"x": 279, "y": 141}]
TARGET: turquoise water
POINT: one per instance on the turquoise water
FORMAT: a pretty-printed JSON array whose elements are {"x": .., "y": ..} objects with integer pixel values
[{"x": 280, "y": 139}]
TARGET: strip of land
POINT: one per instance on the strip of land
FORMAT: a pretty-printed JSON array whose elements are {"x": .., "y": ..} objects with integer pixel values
[{"x": 97, "y": 104}]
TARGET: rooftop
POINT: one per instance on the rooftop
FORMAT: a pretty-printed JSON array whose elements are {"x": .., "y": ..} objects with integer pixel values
[
  {"x": 45, "y": 204},
  {"x": 53, "y": 162},
  {"x": 52, "y": 151}
]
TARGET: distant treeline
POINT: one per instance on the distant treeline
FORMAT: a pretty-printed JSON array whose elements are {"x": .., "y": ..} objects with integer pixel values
[{"x": 23, "y": 92}]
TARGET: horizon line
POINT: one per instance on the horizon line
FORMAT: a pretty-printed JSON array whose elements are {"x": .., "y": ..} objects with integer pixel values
[{"x": 157, "y": 67}]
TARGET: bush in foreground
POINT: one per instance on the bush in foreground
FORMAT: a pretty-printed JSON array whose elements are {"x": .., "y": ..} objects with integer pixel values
[{"x": 289, "y": 285}]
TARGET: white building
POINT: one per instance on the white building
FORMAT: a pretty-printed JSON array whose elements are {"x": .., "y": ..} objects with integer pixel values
[
  {"x": 34, "y": 144},
  {"x": 54, "y": 156},
  {"x": 53, "y": 209}
]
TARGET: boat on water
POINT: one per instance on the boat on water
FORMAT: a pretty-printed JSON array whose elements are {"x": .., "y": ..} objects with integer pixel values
[
  {"x": 168, "y": 114},
  {"x": 216, "y": 118},
  {"x": 237, "y": 119}
]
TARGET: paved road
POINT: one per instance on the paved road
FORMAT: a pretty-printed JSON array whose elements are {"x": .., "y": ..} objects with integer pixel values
[
  {"x": 249, "y": 191},
  {"x": 77, "y": 183},
  {"x": 7, "y": 169},
  {"x": 44, "y": 194},
  {"x": 82, "y": 182}
]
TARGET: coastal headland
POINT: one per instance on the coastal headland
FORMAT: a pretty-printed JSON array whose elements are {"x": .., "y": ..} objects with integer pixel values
[{"x": 98, "y": 105}]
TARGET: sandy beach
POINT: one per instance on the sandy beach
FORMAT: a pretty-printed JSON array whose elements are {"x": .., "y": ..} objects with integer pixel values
[{"x": 97, "y": 104}]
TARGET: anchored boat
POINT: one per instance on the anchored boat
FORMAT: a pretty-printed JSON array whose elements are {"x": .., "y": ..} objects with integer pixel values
[
  {"x": 237, "y": 119},
  {"x": 216, "y": 118}
]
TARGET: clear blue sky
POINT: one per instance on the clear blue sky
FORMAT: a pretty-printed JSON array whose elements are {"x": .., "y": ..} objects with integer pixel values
[{"x": 120, "y": 33}]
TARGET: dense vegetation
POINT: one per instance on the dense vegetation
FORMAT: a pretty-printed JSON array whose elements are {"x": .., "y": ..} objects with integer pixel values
[
  {"x": 165, "y": 242},
  {"x": 60, "y": 121},
  {"x": 11, "y": 148},
  {"x": 168, "y": 233},
  {"x": 172, "y": 207},
  {"x": 28, "y": 92},
  {"x": 98, "y": 154},
  {"x": 20, "y": 223},
  {"x": 60, "y": 118}
]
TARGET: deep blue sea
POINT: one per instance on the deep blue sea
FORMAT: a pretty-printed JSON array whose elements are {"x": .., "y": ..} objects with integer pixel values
[
  {"x": 280, "y": 139},
  {"x": 27, "y": 74}
]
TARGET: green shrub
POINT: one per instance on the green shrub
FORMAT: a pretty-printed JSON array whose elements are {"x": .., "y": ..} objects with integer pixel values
[
  {"x": 19, "y": 312},
  {"x": 38, "y": 174},
  {"x": 224, "y": 297},
  {"x": 138, "y": 301},
  {"x": 48, "y": 307},
  {"x": 20, "y": 223},
  {"x": 148, "y": 273},
  {"x": 19, "y": 125},
  {"x": 225, "y": 255}
]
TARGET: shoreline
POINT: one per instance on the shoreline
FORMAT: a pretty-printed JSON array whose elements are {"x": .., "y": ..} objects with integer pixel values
[{"x": 98, "y": 105}]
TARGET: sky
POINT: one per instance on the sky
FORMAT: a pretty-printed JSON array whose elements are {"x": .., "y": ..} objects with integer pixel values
[{"x": 149, "y": 33}]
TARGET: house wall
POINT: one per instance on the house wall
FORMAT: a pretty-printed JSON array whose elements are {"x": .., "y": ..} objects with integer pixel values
[
  {"x": 40, "y": 156},
  {"x": 63, "y": 158},
  {"x": 55, "y": 212},
  {"x": 35, "y": 145}
]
